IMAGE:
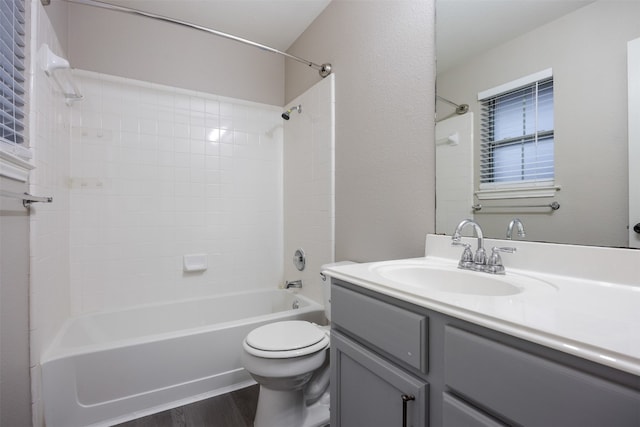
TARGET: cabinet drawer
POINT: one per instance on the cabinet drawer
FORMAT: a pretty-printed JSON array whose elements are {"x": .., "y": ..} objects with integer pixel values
[
  {"x": 531, "y": 390},
  {"x": 456, "y": 413},
  {"x": 397, "y": 331}
]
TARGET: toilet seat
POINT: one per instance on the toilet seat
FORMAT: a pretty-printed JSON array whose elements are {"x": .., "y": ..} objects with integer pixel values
[{"x": 292, "y": 338}]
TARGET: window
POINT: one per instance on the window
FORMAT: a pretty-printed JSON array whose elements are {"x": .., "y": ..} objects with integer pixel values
[
  {"x": 517, "y": 137},
  {"x": 12, "y": 72}
]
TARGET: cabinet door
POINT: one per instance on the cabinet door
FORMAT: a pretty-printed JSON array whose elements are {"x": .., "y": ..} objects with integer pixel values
[{"x": 367, "y": 391}]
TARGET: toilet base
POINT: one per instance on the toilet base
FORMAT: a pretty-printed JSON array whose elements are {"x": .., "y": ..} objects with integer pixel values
[
  {"x": 317, "y": 415},
  {"x": 277, "y": 408}
]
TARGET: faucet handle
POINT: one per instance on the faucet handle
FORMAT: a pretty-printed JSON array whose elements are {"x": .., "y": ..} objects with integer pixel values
[
  {"x": 495, "y": 259},
  {"x": 494, "y": 264},
  {"x": 503, "y": 249},
  {"x": 466, "y": 260}
]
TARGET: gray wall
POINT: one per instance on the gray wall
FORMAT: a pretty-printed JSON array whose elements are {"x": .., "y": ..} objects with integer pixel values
[
  {"x": 383, "y": 56},
  {"x": 58, "y": 14},
  {"x": 587, "y": 51},
  {"x": 15, "y": 397}
]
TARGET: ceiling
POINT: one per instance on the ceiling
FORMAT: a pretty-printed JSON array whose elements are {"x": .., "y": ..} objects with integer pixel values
[
  {"x": 465, "y": 28},
  {"x": 274, "y": 23}
]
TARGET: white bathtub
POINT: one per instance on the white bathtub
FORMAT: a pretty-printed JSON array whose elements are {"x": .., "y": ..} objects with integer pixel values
[{"x": 111, "y": 367}]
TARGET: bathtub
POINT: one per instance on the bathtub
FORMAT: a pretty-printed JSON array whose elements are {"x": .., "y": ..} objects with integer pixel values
[{"x": 110, "y": 367}]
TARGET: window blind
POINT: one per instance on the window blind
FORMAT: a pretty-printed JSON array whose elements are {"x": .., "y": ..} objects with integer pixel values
[
  {"x": 12, "y": 71},
  {"x": 517, "y": 135}
]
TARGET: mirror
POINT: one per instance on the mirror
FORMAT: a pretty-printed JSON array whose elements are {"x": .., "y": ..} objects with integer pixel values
[{"x": 481, "y": 44}]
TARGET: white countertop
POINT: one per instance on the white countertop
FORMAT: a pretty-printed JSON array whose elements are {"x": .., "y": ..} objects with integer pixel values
[{"x": 589, "y": 317}]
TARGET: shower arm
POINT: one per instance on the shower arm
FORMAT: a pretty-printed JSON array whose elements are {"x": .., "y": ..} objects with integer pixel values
[{"x": 324, "y": 70}]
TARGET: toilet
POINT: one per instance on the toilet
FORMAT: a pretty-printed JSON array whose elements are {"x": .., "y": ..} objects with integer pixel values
[{"x": 290, "y": 361}]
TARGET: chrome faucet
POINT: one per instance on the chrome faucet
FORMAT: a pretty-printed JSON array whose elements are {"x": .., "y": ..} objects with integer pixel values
[
  {"x": 293, "y": 284},
  {"x": 479, "y": 261},
  {"x": 519, "y": 227},
  {"x": 468, "y": 262}
]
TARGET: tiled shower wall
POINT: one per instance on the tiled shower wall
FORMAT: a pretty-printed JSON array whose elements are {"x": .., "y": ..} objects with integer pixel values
[
  {"x": 309, "y": 189},
  {"x": 49, "y": 132},
  {"x": 158, "y": 173}
]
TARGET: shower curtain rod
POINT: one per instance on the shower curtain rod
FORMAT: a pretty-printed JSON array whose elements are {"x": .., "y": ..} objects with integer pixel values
[
  {"x": 460, "y": 109},
  {"x": 442, "y": 98},
  {"x": 324, "y": 70}
]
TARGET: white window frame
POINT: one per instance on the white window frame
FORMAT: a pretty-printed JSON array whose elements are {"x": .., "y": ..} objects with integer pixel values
[{"x": 525, "y": 189}]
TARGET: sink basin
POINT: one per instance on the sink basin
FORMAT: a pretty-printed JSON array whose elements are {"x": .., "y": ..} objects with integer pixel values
[{"x": 453, "y": 280}]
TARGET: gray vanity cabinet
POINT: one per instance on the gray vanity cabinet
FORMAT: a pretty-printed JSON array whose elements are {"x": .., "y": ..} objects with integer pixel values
[
  {"x": 531, "y": 390},
  {"x": 368, "y": 389},
  {"x": 461, "y": 374},
  {"x": 456, "y": 413},
  {"x": 373, "y": 392}
]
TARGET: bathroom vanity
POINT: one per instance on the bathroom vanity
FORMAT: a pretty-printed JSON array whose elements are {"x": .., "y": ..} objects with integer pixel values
[{"x": 407, "y": 353}]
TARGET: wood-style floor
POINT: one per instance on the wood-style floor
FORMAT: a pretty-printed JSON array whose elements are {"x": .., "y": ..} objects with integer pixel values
[{"x": 235, "y": 409}]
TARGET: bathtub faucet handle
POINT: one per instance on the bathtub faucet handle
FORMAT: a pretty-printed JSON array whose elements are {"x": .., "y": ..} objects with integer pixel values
[{"x": 293, "y": 284}]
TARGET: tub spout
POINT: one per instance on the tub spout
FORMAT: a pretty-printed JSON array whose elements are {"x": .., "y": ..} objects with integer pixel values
[{"x": 297, "y": 284}]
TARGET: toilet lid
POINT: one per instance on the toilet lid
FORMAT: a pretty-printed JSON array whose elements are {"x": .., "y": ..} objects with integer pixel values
[{"x": 285, "y": 336}]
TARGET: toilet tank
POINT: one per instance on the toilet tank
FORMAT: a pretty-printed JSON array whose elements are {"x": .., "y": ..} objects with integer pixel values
[{"x": 326, "y": 286}]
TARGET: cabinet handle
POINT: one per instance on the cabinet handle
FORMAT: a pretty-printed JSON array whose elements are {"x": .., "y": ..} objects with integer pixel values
[{"x": 405, "y": 398}]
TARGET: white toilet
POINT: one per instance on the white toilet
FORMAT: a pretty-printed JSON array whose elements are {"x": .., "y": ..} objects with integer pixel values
[{"x": 290, "y": 361}]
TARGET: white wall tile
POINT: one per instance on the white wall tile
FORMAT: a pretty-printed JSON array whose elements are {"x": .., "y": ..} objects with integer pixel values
[
  {"x": 308, "y": 185},
  {"x": 49, "y": 130},
  {"x": 167, "y": 195}
]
